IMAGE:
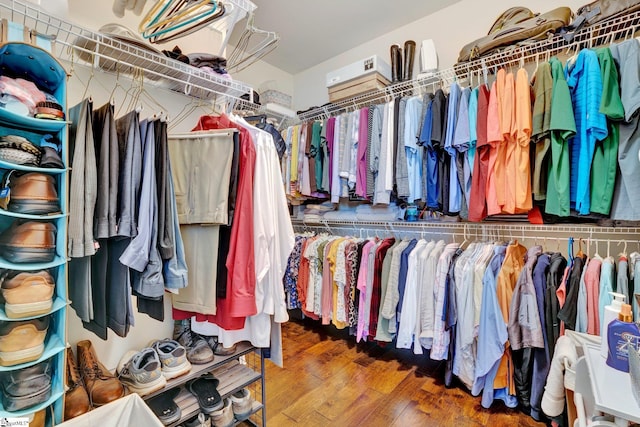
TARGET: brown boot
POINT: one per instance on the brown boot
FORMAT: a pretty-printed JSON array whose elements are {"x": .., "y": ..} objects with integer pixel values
[
  {"x": 102, "y": 386},
  {"x": 76, "y": 400}
]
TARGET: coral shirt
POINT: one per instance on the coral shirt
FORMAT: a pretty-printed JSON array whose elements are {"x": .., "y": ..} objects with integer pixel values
[{"x": 522, "y": 161}]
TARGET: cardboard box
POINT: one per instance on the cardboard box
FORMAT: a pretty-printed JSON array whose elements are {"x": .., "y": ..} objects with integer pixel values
[{"x": 359, "y": 86}]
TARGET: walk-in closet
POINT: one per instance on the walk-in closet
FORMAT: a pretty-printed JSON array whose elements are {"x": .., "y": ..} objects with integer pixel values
[{"x": 220, "y": 213}]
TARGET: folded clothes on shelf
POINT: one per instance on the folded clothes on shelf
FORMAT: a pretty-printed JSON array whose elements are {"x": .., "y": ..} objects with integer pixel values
[{"x": 377, "y": 212}]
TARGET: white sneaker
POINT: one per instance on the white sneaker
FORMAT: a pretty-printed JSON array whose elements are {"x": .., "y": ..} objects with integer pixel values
[
  {"x": 140, "y": 371},
  {"x": 173, "y": 358}
]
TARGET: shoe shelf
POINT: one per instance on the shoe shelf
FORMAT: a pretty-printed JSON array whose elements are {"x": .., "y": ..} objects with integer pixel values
[
  {"x": 34, "y": 217},
  {"x": 53, "y": 345},
  {"x": 8, "y": 118},
  {"x": 59, "y": 303},
  {"x": 57, "y": 261},
  {"x": 34, "y": 130},
  {"x": 234, "y": 373},
  {"x": 198, "y": 370},
  {"x": 57, "y": 394},
  {"x": 233, "y": 376},
  {"x": 50, "y": 171}
]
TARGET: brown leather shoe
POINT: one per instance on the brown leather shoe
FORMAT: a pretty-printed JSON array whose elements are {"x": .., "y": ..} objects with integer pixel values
[
  {"x": 39, "y": 418},
  {"x": 26, "y": 293},
  {"x": 30, "y": 241},
  {"x": 76, "y": 399},
  {"x": 32, "y": 193},
  {"x": 102, "y": 386}
]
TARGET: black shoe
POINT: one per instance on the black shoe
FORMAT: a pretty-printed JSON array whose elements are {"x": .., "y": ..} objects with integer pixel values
[
  {"x": 206, "y": 392},
  {"x": 165, "y": 408}
]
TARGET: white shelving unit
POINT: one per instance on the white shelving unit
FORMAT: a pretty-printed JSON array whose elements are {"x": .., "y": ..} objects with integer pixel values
[
  {"x": 75, "y": 43},
  {"x": 592, "y": 36}
]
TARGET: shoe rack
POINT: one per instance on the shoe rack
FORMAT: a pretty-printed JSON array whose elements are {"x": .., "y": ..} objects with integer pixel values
[
  {"x": 33, "y": 130},
  {"x": 244, "y": 368}
]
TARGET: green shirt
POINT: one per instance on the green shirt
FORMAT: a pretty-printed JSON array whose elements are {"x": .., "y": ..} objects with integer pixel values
[
  {"x": 540, "y": 123},
  {"x": 562, "y": 127},
  {"x": 605, "y": 157}
]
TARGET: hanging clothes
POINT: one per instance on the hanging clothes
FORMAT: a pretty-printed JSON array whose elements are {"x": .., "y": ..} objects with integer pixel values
[
  {"x": 562, "y": 126},
  {"x": 585, "y": 83}
]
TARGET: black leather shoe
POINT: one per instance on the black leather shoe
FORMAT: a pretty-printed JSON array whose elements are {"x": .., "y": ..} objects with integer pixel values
[
  {"x": 165, "y": 407},
  {"x": 206, "y": 392}
]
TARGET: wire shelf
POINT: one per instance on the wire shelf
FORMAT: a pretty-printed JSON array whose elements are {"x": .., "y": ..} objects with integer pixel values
[
  {"x": 577, "y": 229},
  {"x": 76, "y": 44},
  {"x": 243, "y": 106},
  {"x": 595, "y": 35},
  {"x": 583, "y": 233}
]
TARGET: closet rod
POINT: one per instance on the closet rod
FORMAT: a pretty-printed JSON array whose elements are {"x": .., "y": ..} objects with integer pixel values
[
  {"x": 491, "y": 234},
  {"x": 599, "y": 34},
  {"x": 578, "y": 229},
  {"x": 200, "y": 133}
]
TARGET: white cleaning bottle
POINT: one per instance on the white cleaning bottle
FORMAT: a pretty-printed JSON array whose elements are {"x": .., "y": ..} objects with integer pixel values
[{"x": 611, "y": 312}]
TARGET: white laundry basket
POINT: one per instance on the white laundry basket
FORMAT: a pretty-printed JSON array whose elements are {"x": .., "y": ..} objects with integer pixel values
[{"x": 127, "y": 411}]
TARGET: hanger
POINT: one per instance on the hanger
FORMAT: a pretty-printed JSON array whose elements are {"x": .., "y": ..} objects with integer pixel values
[
  {"x": 175, "y": 16},
  {"x": 624, "y": 251},
  {"x": 253, "y": 45},
  {"x": 580, "y": 253},
  {"x": 179, "y": 22},
  {"x": 570, "y": 250}
]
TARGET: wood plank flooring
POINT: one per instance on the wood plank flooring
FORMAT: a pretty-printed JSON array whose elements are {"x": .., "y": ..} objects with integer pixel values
[{"x": 328, "y": 380}]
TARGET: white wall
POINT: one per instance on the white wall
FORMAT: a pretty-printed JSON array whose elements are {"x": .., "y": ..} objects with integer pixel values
[{"x": 450, "y": 28}]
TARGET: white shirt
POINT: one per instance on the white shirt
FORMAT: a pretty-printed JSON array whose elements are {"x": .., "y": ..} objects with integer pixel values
[
  {"x": 428, "y": 295},
  {"x": 409, "y": 303}
]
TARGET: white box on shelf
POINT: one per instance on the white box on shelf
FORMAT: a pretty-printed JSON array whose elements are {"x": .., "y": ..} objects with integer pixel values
[{"x": 366, "y": 66}]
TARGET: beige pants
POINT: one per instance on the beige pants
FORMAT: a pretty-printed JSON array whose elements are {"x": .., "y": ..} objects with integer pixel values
[
  {"x": 201, "y": 168},
  {"x": 201, "y": 254}
]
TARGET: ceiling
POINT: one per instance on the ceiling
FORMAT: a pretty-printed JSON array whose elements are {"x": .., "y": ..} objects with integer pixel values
[{"x": 314, "y": 31}]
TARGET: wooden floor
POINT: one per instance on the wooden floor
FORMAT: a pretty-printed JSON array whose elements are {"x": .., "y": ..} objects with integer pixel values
[{"x": 328, "y": 380}]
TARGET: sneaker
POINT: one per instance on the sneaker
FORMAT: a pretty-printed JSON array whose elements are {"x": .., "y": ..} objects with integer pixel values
[
  {"x": 198, "y": 352},
  {"x": 22, "y": 341},
  {"x": 242, "y": 404},
  {"x": 217, "y": 347},
  {"x": 173, "y": 358},
  {"x": 141, "y": 372},
  {"x": 201, "y": 420},
  {"x": 223, "y": 417}
]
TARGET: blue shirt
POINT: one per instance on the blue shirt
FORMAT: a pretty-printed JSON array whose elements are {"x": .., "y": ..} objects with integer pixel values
[
  {"x": 461, "y": 140},
  {"x": 413, "y": 151},
  {"x": 431, "y": 157},
  {"x": 585, "y": 83},
  {"x": 455, "y": 190},
  {"x": 473, "y": 125},
  {"x": 492, "y": 334}
]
